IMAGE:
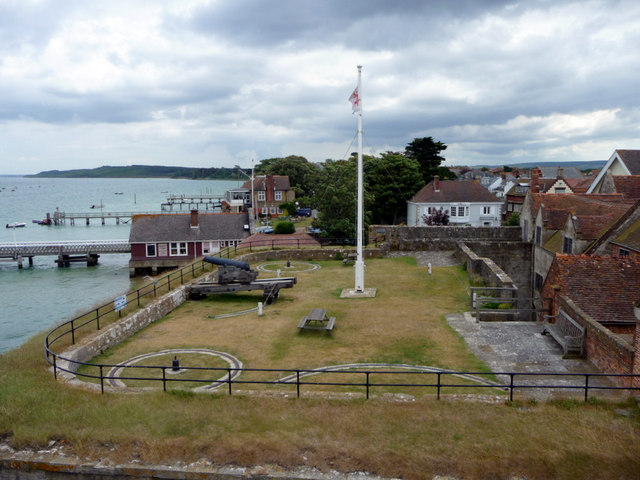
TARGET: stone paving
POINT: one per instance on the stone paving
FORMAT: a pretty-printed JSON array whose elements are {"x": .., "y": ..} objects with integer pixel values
[{"x": 521, "y": 347}]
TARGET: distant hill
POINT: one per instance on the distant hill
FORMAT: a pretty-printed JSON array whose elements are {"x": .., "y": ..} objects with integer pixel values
[
  {"x": 586, "y": 165},
  {"x": 144, "y": 171}
]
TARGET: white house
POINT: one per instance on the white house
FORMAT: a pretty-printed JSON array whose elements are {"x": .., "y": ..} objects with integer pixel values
[
  {"x": 621, "y": 162},
  {"x": 468, "y": 203}
]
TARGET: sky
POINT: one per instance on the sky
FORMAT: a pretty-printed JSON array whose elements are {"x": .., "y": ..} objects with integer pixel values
[{"x": 213, "y": 83}]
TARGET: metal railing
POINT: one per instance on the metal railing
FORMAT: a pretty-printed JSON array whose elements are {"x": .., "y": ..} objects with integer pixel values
[{"x": 437, "y": 380}]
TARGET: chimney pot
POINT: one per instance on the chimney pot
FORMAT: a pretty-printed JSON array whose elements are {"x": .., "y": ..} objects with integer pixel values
[{"x": 194, "y": 218}]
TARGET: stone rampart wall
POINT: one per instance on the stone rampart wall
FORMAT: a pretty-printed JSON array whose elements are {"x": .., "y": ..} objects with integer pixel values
[{"x": 602, "y": 347}]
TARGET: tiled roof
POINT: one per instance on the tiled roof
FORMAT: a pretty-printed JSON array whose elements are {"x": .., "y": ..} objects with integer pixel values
[
  {"x": 631, "y": 159},
  {"x": 558, "y": 206},
  {"x": 630, "y": 237},
  {"x": 579, "y": 185},
  {"x": 280, "y": 182},
  {"x": 177, "y": 227},
  {"x": 627, "y": 185},
  {"x": 604, "y": 287},
  {"x": 590, "y": 227},
  {"x": 454, "y": 191},
  {"x": 567, "y": 172}
]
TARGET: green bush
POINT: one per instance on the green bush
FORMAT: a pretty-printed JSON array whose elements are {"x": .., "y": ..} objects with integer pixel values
[{"x": 284, "y": 228}]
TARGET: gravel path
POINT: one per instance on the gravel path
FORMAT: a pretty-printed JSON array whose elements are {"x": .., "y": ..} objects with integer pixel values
[{"x": 437, "y": 258}]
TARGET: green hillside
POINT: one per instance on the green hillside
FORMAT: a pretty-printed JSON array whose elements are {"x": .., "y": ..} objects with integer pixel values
[{"x": 143, "y": 171}]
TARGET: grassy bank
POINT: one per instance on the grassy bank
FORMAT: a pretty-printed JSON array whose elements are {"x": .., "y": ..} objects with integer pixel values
[{"x": 411, "y": 438}]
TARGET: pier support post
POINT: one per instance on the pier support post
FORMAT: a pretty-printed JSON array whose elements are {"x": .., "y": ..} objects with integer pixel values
[
  {"x": 19, "y": 261},
  {"x": 87, "y": 221}
]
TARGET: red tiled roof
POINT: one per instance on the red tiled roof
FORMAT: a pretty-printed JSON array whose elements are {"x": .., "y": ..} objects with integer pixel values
[
  {"x": 630, "y": 237},
  {"x": 604, "y": 287},
  {"x": 557, "y": 207},
  {"x": 631, "y": 159},
  {"x": 627, "y": 185},
  {"x": 454, "y": 191},
  {"x": 579, "y": 185},
  {"x": 590, "y": 227},
  {"x": 280, "y": 182}
]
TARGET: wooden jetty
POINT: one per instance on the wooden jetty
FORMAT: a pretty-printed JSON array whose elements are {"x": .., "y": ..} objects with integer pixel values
[
  {"x": 66, "y": 252},
  {"x": 192, "y": 202},
  {"x": 61, "y": 218}
]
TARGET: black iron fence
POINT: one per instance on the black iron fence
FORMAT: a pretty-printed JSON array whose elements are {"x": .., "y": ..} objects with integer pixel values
[{"x": 366, "y": 380}]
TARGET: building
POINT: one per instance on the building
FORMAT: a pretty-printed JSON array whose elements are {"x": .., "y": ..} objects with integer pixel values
[
  {"x": 621, "y": 163},
  {"x": 466, "y": 202},
  {"x": 269, "y": 192},
  {"x": 167, "y": 241},
  {"x": 602, "y": 295}
]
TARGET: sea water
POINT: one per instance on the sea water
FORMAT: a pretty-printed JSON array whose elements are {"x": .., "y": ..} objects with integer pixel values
[{"x": 36, "y": 298}]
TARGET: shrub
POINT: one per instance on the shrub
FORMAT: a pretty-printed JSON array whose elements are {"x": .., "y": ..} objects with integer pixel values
[{"x": 284, "y": 228}]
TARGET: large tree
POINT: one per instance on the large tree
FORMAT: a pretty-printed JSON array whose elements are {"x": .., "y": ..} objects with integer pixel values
[
  {"x": 302, "y": 174},
  {"x": 336, "y": 198},
  {"x": 427, "y": 152},
  {"x": 391, "y": 179}
]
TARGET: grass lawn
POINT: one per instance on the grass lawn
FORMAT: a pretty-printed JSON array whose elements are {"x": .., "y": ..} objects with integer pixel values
[{"x": 416, "y": 438}]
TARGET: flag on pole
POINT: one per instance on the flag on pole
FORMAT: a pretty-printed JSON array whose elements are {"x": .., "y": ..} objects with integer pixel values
[{"x": 356, "y": 105}]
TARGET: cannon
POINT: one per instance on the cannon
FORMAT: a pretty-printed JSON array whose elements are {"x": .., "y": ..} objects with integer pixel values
[{"x": 232, "y": 271}]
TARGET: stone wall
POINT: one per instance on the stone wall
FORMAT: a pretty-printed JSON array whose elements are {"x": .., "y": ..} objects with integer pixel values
[
  {"x": 605, "y": 349},
  {"x": 398, "y": 237}
]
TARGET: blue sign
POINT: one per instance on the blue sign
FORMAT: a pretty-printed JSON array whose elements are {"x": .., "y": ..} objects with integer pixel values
[{"x": 120, "y": 302}]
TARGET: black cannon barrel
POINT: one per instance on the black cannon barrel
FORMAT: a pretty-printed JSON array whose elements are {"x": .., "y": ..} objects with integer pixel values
[{"x": 226, "y": 262}]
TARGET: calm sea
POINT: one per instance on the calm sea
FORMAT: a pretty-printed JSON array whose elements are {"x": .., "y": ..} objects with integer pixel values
[{"x": 37, "y": 298}]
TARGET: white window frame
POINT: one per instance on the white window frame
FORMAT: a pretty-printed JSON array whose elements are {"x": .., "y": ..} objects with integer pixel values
[
  {"x": 178, "y": 249},
  {"x": 155, "y": 250},
  {"x": 278, "y": 195},
  {"x": 486, "y": 210},
  {"x": 273, "y": 210},
  {"x": 454, "y": 211},
  {"x": 262, "y": 196},
  {"x": 265, "y": 210},
  {"x": 461, "y": 211}
]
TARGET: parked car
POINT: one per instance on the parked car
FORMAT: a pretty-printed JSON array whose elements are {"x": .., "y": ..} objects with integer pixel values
[
  {"x": 266, "y": 229},
  {"x": 303, "y": 212}
]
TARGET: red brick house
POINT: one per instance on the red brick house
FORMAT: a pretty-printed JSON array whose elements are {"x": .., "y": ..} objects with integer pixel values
[
  {"x": 269, "y": 192},
  {"x": 599, "y": 294},
  {"x": 167, "y": 241}
]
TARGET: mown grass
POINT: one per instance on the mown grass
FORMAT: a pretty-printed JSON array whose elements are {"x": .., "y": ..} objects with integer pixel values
[{"x": 411, "y": 439}]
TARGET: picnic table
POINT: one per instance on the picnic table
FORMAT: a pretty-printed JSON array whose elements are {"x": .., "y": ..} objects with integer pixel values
[{"x": 317, "y": 320}]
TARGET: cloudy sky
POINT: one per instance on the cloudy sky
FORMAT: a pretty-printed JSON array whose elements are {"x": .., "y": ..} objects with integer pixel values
[{"x": 221, "y": 82}]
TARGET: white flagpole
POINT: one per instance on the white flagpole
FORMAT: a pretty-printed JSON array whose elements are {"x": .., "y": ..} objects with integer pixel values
[{"x": 359, "y": 266}]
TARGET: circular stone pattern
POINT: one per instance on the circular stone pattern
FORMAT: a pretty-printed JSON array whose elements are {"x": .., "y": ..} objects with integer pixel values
[
  {"x": 296, "y": 267},
  {"x": 232, "y": 361}
]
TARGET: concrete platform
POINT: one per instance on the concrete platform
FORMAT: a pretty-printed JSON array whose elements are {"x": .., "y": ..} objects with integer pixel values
[
  {"x": 352, "y": 293},
  {"x": 521, "y": 347}
]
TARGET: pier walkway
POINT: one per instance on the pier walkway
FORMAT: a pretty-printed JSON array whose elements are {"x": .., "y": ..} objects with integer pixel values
[
  {"x": 66, "y": 251},
  {"x": 60, "y": 218}
]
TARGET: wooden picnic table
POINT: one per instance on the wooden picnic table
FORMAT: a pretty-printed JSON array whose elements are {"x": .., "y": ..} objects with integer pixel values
[{"x": 317, "y": 320}]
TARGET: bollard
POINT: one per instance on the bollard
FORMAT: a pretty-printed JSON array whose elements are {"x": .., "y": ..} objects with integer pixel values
[
  {"x": 259, "y": 309},
  {"x": 429, "y": 265},
  {"x": 278, "y": 272}
]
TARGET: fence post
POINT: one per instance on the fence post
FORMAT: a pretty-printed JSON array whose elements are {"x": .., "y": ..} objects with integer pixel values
[
  {"x": 164, "y": 379},
  {"x": 138, "y": 295},
  {"x": 229, "y": 379},
  {"x": 98, "y": 317},
  {"x": 154, "y": 290},
  {"x": 586, "y": 386},
  {"x": 181, "y": 278},
  {"x": 101, "y": 380},
  {"x": 511, "y": 387},
  {"x": 73, "y": 334},
  {"x": 55, "y": 367},
  {"x": 439, "y": 375},
  {"x": 367, "y": 385},
  {"x": 298, "y": 383}
]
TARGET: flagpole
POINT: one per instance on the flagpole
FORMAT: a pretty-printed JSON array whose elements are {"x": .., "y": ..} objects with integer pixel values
[{"x": 359, "y": 266}]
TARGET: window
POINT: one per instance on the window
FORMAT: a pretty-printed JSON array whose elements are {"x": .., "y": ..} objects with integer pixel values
[
  {"x": 538, "y": 235},
  {"x": 261, "y": 196},
  {"x": 273, "y": 210},
  {"x": 567, "y": 244},
  {"x": 466, "y": 211},
  {"x": 278, "y": 196},
  {"x": 178, "y": 248},
  {"x": 461, "y": 211},
  {"x": 265, "y": 210},
  {"x": 486, "y": 210},
  {"x": 210, "y": 247},
  {"x": 623, "y": 252},
  {"x": 538, "y": 281},
  {"x": 560, "y": 190},
  {"x": 151, "y": 249},
  {"x": 454, "y": 211}
]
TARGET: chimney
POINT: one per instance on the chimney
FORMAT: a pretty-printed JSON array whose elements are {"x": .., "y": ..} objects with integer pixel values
[
  {"x": 535, "y": 176},
  {"x": 436, "y": 183},
  {"x": 194, "y": 219},
  {"x": 560, "y": 173}
]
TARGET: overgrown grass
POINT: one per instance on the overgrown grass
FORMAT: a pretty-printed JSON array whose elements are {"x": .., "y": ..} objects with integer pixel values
[{"x": 412, "y": 439}]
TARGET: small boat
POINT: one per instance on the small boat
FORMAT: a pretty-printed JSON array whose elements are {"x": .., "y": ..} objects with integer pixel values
[
  {"x": 119, "y": 193},
  {"x": 46, "y": 221},
  {"x": 16, "y": 225}
]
